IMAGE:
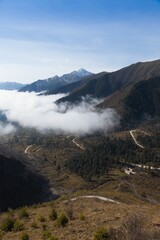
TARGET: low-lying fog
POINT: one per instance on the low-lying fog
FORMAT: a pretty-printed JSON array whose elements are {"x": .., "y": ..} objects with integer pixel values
[{"x": 42, "y": 113}]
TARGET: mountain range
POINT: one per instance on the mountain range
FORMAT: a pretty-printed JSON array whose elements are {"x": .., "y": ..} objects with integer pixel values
[
  {"x": 134, "y": 91},
  {"x": 11, "y": 85},
  {"x": 104, "y": 84},
  {"x": 54, "y": 82}
]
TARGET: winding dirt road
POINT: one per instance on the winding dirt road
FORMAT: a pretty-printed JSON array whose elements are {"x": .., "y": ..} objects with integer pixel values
[
  {"x": 78, "y": 145},
  {"x": 131, "y": 133},
  {"x": 26, "y": 150}
]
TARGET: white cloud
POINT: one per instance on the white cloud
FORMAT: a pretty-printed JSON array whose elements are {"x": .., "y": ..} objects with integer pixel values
[
  {"x": 6, "y": 128},
  {"x": 41, "y": 112}
]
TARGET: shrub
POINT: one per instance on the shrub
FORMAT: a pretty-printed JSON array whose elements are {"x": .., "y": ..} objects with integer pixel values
[
  {"x": 69, "y": 211},
  {"x": 133, "y": 228},
  {"x": 81, "y": 217},
  {"x": 1, "y": 235},
  {"x": 44, "y": 226},
  {"x": 42, "y": 219},
  {"x": 34, "y": 225},
  {"x": 7, "y": 224},
  {"x": 46, "y": 234},
  {"x": 53, "y": 238},
  {"x": 101, "y": 234},
  {"x": 18, "y": 226},
  {"x": 62, "y": 220},
  {"x": 24, "y": 236},
  {"x": 53, "y": 215},
  {"x": 23, "y": 213},
  {"x": 10, "y": 212}
]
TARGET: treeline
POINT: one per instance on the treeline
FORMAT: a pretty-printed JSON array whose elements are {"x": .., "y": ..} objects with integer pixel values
[
  {"x": 100, "y": 155},
  {"x": 96, "y": 160}
]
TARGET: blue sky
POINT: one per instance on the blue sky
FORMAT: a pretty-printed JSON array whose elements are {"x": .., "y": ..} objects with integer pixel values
[{"x": 42, "y": 38}]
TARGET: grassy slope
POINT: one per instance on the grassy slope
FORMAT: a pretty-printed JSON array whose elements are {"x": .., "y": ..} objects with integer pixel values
[{"x": 96, "y": 212}]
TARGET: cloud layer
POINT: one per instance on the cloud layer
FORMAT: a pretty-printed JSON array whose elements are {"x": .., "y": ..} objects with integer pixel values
[
  {"x": 41, "y": 112},
  {"x": 6, "y": 128}
]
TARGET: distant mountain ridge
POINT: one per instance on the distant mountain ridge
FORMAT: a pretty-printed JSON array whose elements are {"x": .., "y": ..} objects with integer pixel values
[
  {"x": 11, "y": 85},
  {"x": 52, "y": 83}
]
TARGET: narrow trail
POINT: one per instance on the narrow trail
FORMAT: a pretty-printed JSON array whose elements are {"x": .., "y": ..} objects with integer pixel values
[
  {"x": 38, "y": 149},
  {"x": 26, "y": 150},
  {"x": 131, "y": 133},
  {"x": 96, "y": 197},
  {"x": 74, "y": 141},
  {"x": 78, "y": 145},
  {"x": 147, "y": 198},
  {"x": 69, "y": 136},
  {"x": 141, "y": 146}
]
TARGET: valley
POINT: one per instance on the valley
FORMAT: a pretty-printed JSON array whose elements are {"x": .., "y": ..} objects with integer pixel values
[
  {"x": 92, "y": 155},
  {"x": 110, "y": 199},
  {"x": 79, "y": 120},
  {"x": 53, "y": 156}
]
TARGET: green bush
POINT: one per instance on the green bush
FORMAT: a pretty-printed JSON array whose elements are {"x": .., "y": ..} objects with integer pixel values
[
  {"x": 23, "y": 213},
  {"x": 24, "y": 236},
  {"x": 69, "y": 211},
  {"x": 101, "y": 234},
  {"x": 53, "y": 215},
  {"x": 18, "y": 226},
  {"x": 62, "y": 220},
  {"x": 7, "y": 224}
]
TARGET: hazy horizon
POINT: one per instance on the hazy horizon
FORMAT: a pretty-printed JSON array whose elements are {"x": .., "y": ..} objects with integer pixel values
[{"x": 43, "y": 38}]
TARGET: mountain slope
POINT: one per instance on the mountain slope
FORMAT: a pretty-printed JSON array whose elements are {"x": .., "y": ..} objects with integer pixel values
[
  {"x": 43, "y": 85},
  {"x": 136, "y": 103},
  {"x": 19, "y": 183},
  {"x": 96, "y": 86},
  {"x": 105, "y": 84},
  {"x": 71, "y": 86},
  {"x": 52, "y": 83},
  {"x": 11, "y": 85}
]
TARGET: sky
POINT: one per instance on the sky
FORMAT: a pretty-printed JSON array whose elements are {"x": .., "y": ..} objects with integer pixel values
[{"x": 43, "y": 38}]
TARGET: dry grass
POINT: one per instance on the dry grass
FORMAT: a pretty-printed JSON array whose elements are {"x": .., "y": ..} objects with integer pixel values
[{"x": 96, "y": 213}]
